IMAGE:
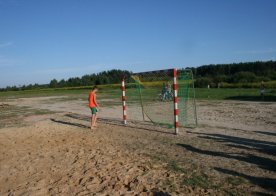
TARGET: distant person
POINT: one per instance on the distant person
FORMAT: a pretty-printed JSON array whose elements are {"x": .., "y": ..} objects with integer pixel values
[
  {"x": 163, "y": 92},
  {"x": 93, "y": 105},
  {"x": 169, "y": 87},
  {"x": 262, "y": 90},
  {"x": 166, "y": 94}
]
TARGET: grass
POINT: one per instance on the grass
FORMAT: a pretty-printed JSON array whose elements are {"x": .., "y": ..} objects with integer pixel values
[
  {"x": 197, "y": 180},
  {"x": 172, "y": 165},
  {"x": 191, "y": 177},
  {"x": 194, "y": 177},
  {"x": 234, "y": 94},
  {"x": 149, "y": 95},
  {"x": 233, "y": 192},
  {"x": 235, "y": 180}
]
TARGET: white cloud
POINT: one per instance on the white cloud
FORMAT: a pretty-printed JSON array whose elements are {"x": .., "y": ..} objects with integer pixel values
[{"x": 5, "y": 44}]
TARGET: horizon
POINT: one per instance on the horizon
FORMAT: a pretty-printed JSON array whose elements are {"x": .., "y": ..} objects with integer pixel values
[
  {"x": 45, "y": 40},
  {"x": 58, "y": 80}
]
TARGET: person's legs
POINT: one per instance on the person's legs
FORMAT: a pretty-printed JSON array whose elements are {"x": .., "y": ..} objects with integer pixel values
[
  {"x": 163, "y": 96},
  {"x": 93, "y": 117},
  {"x": 94, "y": 120}
]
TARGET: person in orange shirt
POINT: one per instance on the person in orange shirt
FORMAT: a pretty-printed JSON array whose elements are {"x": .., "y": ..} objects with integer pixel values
[{"x": 93, "y": 105}]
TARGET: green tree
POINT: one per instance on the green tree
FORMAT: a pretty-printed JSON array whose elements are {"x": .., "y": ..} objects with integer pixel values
[
  {"x": 62, "y": 83},
  {"x": 53, "y": 83}
]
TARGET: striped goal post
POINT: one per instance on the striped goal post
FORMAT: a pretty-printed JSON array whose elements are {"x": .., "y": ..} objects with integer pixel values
[
  {"x": 124, "y": 100},
  {"x": 171, "y": 74},
  {"x": 175, "y": 101},
  {"x": 165, "y": 97}
]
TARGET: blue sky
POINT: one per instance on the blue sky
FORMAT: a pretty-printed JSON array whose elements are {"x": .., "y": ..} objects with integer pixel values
[{"x": 45, "y": 39}]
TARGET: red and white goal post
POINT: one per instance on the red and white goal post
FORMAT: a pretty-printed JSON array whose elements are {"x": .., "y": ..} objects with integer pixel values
[{"x": 149, "y": 81}]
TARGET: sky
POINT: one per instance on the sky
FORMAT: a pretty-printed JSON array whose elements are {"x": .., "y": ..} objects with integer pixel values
[{"x": 45, "y": 39}]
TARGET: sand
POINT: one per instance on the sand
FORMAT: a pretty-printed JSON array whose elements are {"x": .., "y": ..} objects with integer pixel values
[{"x": 232, "y": 151}]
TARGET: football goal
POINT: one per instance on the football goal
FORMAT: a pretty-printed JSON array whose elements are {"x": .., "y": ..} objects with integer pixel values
[{"x": 163, "y": 97}]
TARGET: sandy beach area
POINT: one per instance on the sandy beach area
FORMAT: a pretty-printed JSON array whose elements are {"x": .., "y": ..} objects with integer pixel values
[{"x": 47, "y": 148}]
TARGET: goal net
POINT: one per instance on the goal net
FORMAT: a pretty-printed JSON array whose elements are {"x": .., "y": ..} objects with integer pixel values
[
  {"x": 186, "y": 98},
  {"x": 163, "y": 97}
]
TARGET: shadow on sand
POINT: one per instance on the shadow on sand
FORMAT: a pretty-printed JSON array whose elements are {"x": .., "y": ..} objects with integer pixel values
[
  {"x": 148, "y": 126},
  {"x": 242, "y": 143},
  {"x": 266, "y": 147},
  {"x": 69, "y": 123},
  {"x": 261, "y": 162},
  {"x": 266, "y": 183}
]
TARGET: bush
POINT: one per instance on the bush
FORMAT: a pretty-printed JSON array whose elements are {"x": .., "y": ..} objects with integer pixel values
[
  {"x": 244, "y": 77},
  {"x": 268, "y": 85},
  {"x": 202, "y": 82}
]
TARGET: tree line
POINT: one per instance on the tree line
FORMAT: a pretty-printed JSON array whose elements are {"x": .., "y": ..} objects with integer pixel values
[
  {"x": 113, "y": 76},
  {"x": 212, "y": 75},
  {"x": 250, "y": 72}
]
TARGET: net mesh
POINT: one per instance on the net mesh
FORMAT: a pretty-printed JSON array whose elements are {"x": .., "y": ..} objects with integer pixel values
[
  {"x": 186, "y": 98},
  {"x": 150, "y": 98}
]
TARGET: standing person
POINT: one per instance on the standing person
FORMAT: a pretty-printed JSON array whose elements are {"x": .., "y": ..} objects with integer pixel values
[
  {"x": 262, "y": 90},
  {"x": 93, "y": 105},
  {"x": 163, "y": 92}
]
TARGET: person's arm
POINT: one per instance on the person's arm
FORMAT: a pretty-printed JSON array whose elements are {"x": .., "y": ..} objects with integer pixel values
[
  {"x": 88, "y": 99},
  {"x": 95, "y": 100}
]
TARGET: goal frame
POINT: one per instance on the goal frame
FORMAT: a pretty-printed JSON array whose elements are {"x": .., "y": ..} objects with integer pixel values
[{"x": 175, "y": 97}]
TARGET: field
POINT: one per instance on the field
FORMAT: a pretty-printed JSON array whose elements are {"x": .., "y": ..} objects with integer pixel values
[{"x": 47, "y": 148}]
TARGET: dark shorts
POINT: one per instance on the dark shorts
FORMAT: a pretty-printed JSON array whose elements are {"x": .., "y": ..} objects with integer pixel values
[{"x": 94, "y": 110}]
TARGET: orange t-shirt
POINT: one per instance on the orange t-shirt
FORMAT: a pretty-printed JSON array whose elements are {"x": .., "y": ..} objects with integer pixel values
[{"x": 91, "y": 100}]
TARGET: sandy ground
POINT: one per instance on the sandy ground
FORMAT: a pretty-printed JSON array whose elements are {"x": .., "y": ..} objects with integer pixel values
[{"x": 232, "y": 152}]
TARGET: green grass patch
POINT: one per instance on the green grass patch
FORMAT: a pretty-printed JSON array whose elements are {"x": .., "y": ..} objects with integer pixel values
[
  {"x": 233, "y": 192},
  {"x": 197, "y": 180},
  {"x": 235, "y": 180},
  {"x": 149, "y": 95},
  {"x": 234, "y": 94},
  {"x": 172, "y": 165},
  {"x": 256, "y": 85},
  {"x": 192, "y": 177},
  {"x": 166, "y": 125}
]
